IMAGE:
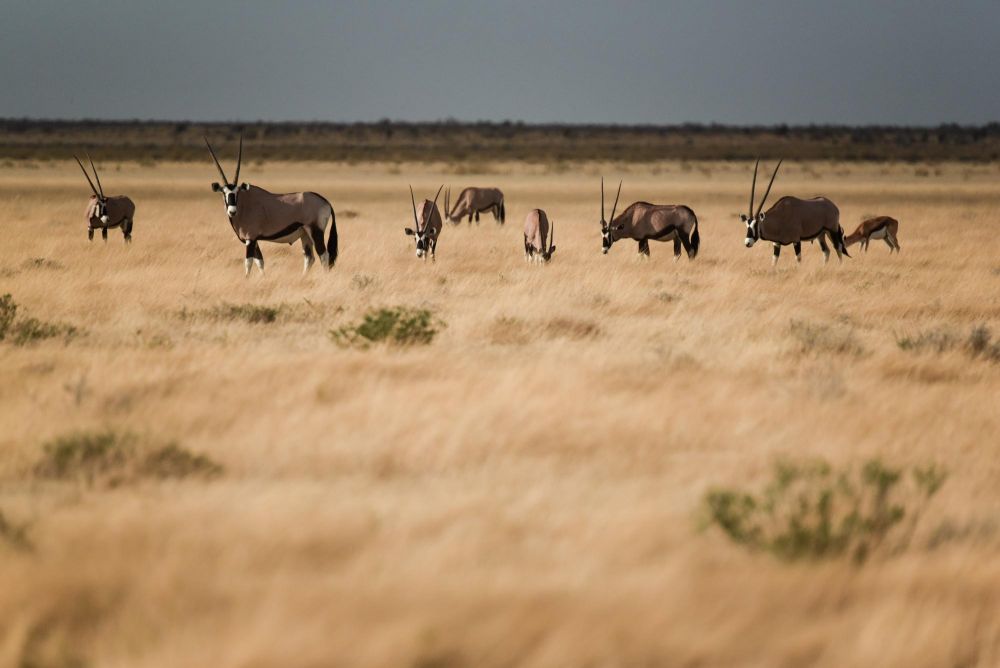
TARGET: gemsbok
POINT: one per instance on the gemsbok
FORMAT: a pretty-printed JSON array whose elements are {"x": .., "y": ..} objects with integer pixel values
[
  {"x": 257, "y": 215},
  {"x": 427, "y": 226},
  {"x": 792, "y": 220},
  {"x": 539, "y": 237},
  {"x": 643, "y": 222},
  {"x": 104, "y": 212},
  {"x": 473, "y": 201},
  {"x": 880, "y": 227}
]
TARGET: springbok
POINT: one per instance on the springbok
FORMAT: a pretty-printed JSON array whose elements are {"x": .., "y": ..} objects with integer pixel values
[
  {"x": 792, "y": 220},
  {"x": 880, "y": 227},
  {"x": 427, "y": 226},
  {"x": 104, "y": 212},
  {"x": 643, "y": 221},
  {"x": 473, "y": 201},
  {"x": 257, "y": 215},
  {"x": 538, "y": 230}
]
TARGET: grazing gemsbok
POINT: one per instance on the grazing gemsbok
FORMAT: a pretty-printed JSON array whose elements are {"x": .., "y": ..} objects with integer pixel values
[
  {"x": 257, "y": 215},
  {"x": 880, "y": 227},
  {"x": 104, "y": 212},
  {"x": 427, "y": 223},
  {"x": 473, "y": 201},
  {"x": 643, "y": 221},
  {"x": 792, "y": 220},
  {"x": 538, "y": 230}
]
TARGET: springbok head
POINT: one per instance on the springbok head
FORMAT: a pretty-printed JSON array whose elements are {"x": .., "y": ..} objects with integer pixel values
[
  {"x": 753, "y": 221},
  {"x": 102, "y": 201},
  {"x": 607, "y": 228},
  {"x": 229, "y": 189},
  {"x": 424, "y": 235}
]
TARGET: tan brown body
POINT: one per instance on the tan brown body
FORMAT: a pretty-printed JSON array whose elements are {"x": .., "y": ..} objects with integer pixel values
[
  {"x": 644, "y": 222},
  {"x": 880, "y": 227},
  {"x": 120, "y": 213},
  {"x": 539, "y": 237},
  {"x": 473, "y": 201},
  {"x": 427, "y": 226}
]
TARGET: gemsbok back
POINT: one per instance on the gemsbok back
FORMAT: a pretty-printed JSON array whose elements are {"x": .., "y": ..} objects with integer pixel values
[
  {"x": 539, "y": 237},
  {"x": 257, "y": 215},
  {"x": 427, "y": 226},
  {"x": 104, "y": 212},
  {"x": 880, "y": 227},
  {"x": 792, "y": 220},
  {"x": 643, "y": 222},
  {"x": 473, "y": 201}
]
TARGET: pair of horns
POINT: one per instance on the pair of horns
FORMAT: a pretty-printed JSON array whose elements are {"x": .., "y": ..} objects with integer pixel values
[
  {"x": 413, "y": 201},
  {"x": 753, "y": 188},
  {"x": 239, "y": 161},
  {"x": 101, "y": 193},
  {"x": 613, "y": 208}
]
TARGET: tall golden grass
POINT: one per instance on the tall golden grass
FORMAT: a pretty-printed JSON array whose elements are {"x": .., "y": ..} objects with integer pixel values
[{"x": 525, "y": 490}]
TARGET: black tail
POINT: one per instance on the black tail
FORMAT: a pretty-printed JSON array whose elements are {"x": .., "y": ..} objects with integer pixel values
[
  {"x": 332, "y": 243},
  {"x": 503, "y": 213},
  {"x": 695, "y": 240}
]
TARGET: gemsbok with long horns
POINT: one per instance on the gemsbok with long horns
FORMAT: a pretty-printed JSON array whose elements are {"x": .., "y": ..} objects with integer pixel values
[
  {"x": 792, "y": 220},
  {"x": 643, "y": 222},
  {"x": 473, "y": 201},
  {"x": 539, "y": 237},
  {"x": 880, "y": 227},
  {"x": 427, "y": 226},
  {"x": 258, "y": 215},
  {"x": 103, "y": 211}
]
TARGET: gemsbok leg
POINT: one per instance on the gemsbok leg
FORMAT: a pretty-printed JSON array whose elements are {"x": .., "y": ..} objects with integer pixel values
[
  {"x": 127, "y": 230},
  {"x": 824, "y": 247},
  {"x": 90, "y": 234},
  {"x": 777, "y": 252},
  {"x": 104, "y": 234},
  {"x": 677, "y": 247},
  {"x": 307, "y": 254},
  {"x": 644, "y": 248},
  {"x": 798, "y": 251}
]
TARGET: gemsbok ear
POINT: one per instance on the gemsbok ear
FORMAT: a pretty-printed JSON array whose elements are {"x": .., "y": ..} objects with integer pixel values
[
  {"x": 408, "y": 231},
  {"x": 216, "y": 187},
  {"x": 244, "y": 186},
  {"x": 743, "y": 217},
  {"x": 760, "y": 217}
]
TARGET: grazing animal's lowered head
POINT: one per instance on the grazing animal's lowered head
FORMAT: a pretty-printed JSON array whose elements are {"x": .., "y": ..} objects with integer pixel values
[
  {"x": 752, "y": 220},
  {"x": 609, "y": 228},
  {"x": 426, "y": 226},
  {"x": 101, "y": 210},
  {"x": 539, "y": 237},
  {"x": 229, "y": 189}
]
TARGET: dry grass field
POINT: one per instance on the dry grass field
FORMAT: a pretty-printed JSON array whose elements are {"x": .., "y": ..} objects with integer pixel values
[{"x": 527, "y": 489}]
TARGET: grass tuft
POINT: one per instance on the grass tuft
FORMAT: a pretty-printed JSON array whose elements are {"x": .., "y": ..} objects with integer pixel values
[
  {"x": 400, "y": 325},
  {"x": 814, "y": 338}
]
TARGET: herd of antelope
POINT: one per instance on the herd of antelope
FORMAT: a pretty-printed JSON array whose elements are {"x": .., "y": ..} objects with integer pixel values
[{"x": 258, "y": 215}]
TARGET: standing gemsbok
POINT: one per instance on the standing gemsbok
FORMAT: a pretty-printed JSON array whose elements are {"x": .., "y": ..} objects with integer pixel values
[
  {"x": 473, "y": 201},
  {"x": 539, "y": 237},
  {"x": 427, "y": 226},
  {"x": 104, "y": 212},
  {"x": 879, "y": 227},
  {"x": 643, "y": 222},
  {"x": 257, "y": 215},
  {"x": 792, "y": 220}
]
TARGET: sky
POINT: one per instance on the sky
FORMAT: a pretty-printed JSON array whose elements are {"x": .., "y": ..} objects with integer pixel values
[{"x": 759, "y": 62}]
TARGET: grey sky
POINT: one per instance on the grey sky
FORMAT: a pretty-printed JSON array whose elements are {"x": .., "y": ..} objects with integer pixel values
[{"x": 762, "y": 61}]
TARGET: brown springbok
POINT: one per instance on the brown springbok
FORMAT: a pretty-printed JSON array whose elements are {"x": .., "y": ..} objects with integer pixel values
[
  {"x": 537, "y": 231},
  {"x": 427, "y": 226},
  {"x": 473, "y": 201},
  {"x": 880, "y": 227},
  {"x": 258, "y": 215},
  {"x": 643, "y": 222},
  {"x": 104, "y": 212},
  {"x": 792, "y": 220}
]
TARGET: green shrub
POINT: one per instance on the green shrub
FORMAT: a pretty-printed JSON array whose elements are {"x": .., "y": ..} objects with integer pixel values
[
  {"x": 935, "y": 340},
  {"x": 251, "y": 313},
  {"x": 810, "y": 511},
  {"x": 402, "y": 326},
  {"x": 112, "y": 458},
  {"x": 978, "y": 345},
  {"x": 28, "y": 330},
  {"x": 8, "y": 311}
]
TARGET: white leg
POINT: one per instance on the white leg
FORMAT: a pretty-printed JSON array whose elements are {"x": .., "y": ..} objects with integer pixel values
[
  {"x": 246, "y": 266},
  {"x": 260, "y": 264}
]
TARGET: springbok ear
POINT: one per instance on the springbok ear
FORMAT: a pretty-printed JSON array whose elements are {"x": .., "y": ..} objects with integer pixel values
[
  {"x": 408, "y": 231},
  {"x": 216, "y": 187},
  {"x": 760, "y": 217},
  {"x": 743, "y": 217},
  {"x": 244, "y": 186}
]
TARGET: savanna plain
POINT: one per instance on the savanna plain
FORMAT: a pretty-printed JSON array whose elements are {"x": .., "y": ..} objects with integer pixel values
[{"x": 197, "y": 470}]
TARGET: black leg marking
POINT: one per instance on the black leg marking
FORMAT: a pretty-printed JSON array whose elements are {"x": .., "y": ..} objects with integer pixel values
[
  {"x": 317, "y": 238},
  {"x": 90, "y": 234},
  {"x": 104, "y": 233},
  {"x": 677, "y": 247},
  {"x": 798, "y": 251},
  {"x": 644, "y": 247},
  {"x": 127, "y": 230},
  {"x": 687, "y": 244},
  {"x": 477, "y": 216}
]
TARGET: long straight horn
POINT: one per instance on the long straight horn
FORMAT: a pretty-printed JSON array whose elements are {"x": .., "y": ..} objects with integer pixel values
[
  {"x": 436, "y": 195},
  {"x": 615, "y": 207},
  {"x": 602, "y": 198},
  {"x": 98, "y": 178},
  {"x": 413, "y": 201},
  {"x": 239, "y": 162},
  {"x": 768, "y": 191},
  {"x": 753, "y": 188},
  {"x": 86, "y": 174},
  {"x": 217, "y": 165},
  {"x": 552, "y": 234}
]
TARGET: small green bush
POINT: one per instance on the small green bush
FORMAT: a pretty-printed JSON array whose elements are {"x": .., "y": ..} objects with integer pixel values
[
  {"x": 401, "y": 326},
  {"x": 979, "y": 344},
  {"x": 251, "y": 313},
  {"x": 810, "y": 511},
  {"x": 112, "y": 458},
  {"x": 933, "y": 340},
  {"x": 28, "y": 330},
  {"x": 8, "y": 311}
]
